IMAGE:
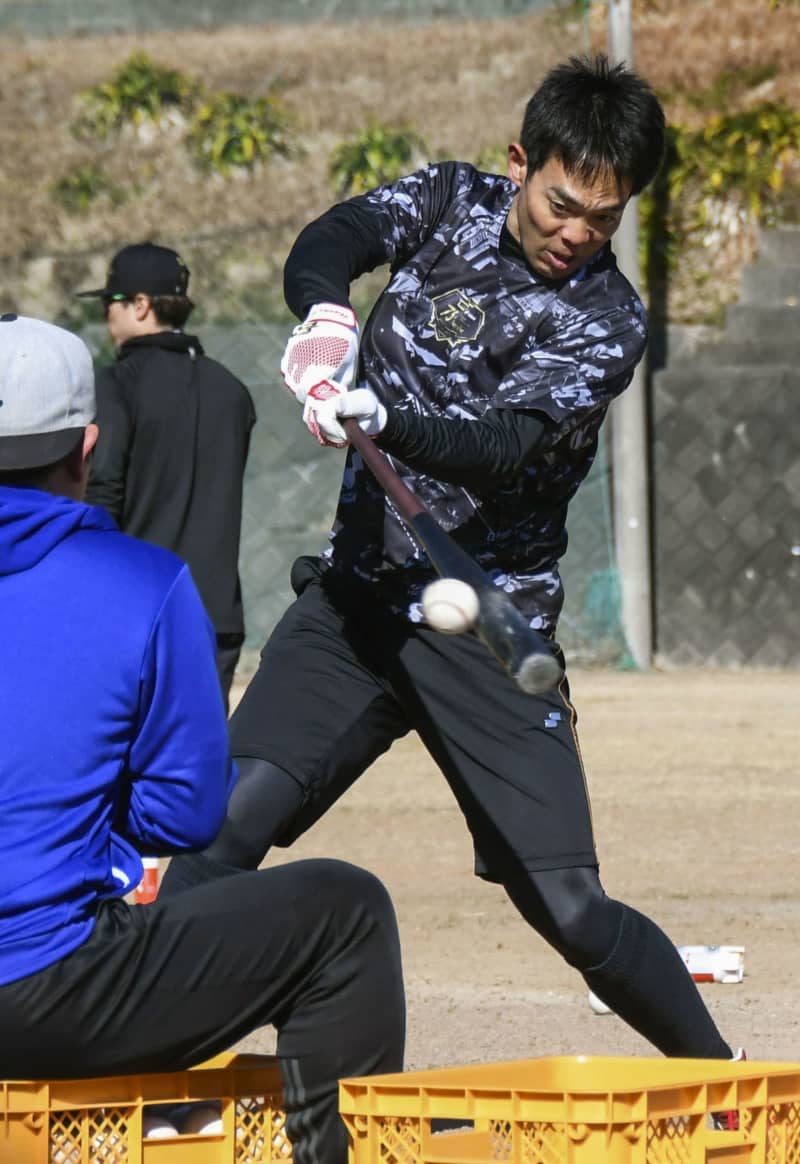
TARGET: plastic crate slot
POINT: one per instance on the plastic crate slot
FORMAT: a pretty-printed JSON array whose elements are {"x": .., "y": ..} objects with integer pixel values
[
  {"x": 99, "y": 1120},
  {"x": 579, "y": 1111}
]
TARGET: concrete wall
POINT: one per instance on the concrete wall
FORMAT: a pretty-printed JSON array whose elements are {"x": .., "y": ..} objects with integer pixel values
[{"x": 726, "y": 472}]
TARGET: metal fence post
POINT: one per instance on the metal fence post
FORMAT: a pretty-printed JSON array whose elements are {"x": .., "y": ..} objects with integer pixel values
[{"x": 629, "y": 429}]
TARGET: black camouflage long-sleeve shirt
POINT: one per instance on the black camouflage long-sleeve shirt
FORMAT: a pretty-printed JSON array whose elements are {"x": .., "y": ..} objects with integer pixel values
[{"x": 465, "y": 326}]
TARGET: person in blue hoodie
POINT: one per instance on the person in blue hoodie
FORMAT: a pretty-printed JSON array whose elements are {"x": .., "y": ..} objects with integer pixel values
[{"x": 113, "y": 746}]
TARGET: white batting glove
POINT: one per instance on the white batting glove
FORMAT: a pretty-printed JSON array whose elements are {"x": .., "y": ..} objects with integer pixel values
[
  {"x": 326, "y": 405},
  {"x": 323, "y": 347}
]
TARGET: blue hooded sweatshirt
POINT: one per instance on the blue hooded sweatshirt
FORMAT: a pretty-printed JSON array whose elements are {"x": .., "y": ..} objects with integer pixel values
[{"x": 113, "y": 740}]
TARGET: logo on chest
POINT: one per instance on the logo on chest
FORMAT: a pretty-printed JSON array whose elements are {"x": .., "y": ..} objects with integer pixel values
[{"x": 455, "y": 318}]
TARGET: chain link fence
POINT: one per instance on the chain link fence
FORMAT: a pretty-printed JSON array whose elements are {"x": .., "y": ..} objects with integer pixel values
[
  {"x": 290, "y": 498},
  {"x": 291, "y": 487},
  {"x": 46, "y": 18},
  {"x": 726, "y": 487}
]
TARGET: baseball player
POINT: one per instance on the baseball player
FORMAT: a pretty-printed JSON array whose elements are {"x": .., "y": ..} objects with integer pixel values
[{"x": 485, "y": 371}]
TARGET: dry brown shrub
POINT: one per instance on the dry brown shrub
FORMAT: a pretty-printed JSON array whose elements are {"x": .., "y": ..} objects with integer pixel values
[{"x": 463, "y": 86}]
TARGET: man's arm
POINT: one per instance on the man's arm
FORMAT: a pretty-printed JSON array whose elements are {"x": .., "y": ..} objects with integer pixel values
[
  {"x": 180, "y": 770},
  {"x": 110, "y": 460},
  {"x": 329, "y": 254},
  {"x": 385, "y": 225},
  {"x": 478, "y": 454}
]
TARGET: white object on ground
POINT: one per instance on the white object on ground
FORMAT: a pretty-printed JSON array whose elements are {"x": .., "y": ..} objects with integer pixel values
[
  {"x": 714, "y": 963},
  {"x": 597, "y": 1005},
  {"x": 705, "y": 964},
  {"x": 450, "y": 606}
]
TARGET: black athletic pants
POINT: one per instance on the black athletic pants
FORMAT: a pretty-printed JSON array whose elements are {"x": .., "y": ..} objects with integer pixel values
[
  {"x": 229, "y": 648},
  {"x": 309, "y": 947},
  {"x": 340, "y": 679}
]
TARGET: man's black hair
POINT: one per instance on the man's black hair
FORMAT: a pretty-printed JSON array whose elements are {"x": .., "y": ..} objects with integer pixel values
[
  {"x": 172, "y": 310},
  {"x": 594, "y": 117}
]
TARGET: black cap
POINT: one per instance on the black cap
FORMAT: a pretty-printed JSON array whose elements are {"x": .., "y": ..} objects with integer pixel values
[{"x": 143, "y": 269}]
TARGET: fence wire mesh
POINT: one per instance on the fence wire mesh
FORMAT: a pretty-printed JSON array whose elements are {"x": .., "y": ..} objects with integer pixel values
[{"x": 290, "y": 493}]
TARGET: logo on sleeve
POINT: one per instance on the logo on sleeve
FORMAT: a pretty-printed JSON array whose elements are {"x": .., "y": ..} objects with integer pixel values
[{"x": 455, "y": 318}]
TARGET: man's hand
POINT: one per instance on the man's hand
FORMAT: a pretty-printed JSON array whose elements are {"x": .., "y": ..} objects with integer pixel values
[
  {"x": 324, "y": 347},
  {"x": 327, "y": 404}
]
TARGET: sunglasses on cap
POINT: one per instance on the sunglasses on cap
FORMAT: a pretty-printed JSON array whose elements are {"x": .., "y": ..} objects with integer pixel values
[{"x": 107, "y": 300}]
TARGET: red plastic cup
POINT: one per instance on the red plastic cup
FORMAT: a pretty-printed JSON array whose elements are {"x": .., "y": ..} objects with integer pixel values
[{"x": 147, "y": 889}]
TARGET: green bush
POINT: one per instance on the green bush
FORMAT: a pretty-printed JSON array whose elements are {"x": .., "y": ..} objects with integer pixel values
[
  {"x": 225, "y": 130},
  {"x": 379, "y": 154},
  {"x": 493, "y": 160},
  {"x": 749, "y": 158},
  {"x": 78, "y": 189},
  {"x": 739, "y": 171},
  {"x": 140, "y": 90},
  {"x": 229, "y": 131},
  {"x": 746, "y": 156}
]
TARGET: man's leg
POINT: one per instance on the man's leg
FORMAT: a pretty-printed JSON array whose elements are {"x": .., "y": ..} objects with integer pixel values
[
  {"x": 514, "y": 764},
  {"x": 310, "y": 947},
  {"x": 264, "y": 801},
  {"x": 624, "y": 958}
]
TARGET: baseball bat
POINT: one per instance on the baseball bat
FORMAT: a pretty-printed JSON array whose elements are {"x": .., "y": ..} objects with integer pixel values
[{"x": 526, "y": 655}]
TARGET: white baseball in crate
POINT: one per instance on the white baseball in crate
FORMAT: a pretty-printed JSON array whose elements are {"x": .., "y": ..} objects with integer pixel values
[
  {"x": 203, "y": 1119},
  {"x": 450, "y": 606}
]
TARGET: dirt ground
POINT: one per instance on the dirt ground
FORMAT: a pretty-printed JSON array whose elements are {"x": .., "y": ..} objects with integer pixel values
[{"x": 693, "y": 777}]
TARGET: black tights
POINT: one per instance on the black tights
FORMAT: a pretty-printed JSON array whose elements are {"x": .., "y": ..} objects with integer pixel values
[
  {"x": 622, "y": 955},
  {"x": 265, "y": 799}
]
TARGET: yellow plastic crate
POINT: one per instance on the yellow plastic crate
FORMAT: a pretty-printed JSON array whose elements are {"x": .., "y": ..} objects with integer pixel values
[
  {"x": 578, "y": 1110},
  {"x": 99, "y": 1121}
]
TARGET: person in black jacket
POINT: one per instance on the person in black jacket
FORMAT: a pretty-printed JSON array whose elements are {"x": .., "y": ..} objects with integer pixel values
[{"x": 175, "y": 431}]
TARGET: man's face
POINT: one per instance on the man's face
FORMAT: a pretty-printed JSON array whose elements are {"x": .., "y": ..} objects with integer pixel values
[
  {"x": 126, "y": 318},
  {"x": 560, "y": 221}
]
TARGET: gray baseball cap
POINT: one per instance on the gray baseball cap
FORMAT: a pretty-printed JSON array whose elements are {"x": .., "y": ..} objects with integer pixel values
[{"x": 46, "y": 392}]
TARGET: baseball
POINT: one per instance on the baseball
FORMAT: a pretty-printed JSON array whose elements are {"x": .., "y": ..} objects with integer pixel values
[
  {"x": 450, "y": 606},
  {"x": 156, "y": 1127},
  {"x": 203, "y": 1120}
]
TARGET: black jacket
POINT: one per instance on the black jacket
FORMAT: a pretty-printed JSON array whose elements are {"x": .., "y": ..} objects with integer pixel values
[{"x": 169, "y": 463}]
